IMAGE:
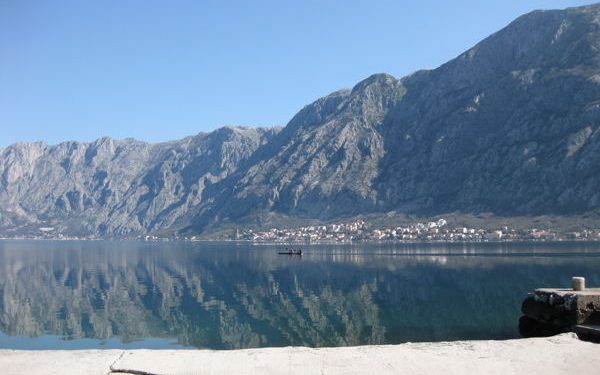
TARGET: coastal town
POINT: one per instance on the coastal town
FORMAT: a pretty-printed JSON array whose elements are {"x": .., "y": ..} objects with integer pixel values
[
  {"x": 357, "y": 231},
  {"x": 431, "y": 231}
]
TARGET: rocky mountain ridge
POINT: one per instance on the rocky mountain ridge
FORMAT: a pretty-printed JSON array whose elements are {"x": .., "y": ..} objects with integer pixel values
[
  {"x": 116, "y": 188},
  {"x": 510, "y": 127}
]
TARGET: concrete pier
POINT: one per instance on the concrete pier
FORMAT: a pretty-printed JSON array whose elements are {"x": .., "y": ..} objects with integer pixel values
[
  {"x": 563, "y": 354},
  {"x": 549, "y": 311}
]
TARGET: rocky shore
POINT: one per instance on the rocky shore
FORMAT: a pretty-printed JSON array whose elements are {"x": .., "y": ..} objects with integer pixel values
[{"x": 562, "y": 354}]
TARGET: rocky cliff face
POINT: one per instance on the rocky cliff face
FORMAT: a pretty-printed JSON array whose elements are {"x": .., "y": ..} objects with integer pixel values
[
  {"x": 509, "y": 127},
  {"x": 116, "y": 188}
]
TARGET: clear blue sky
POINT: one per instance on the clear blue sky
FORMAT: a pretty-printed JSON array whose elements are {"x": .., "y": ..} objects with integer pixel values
[{"x": 161, "y": 70}]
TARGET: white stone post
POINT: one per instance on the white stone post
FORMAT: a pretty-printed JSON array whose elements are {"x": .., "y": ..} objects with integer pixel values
[{"x": 578, "y": 283}]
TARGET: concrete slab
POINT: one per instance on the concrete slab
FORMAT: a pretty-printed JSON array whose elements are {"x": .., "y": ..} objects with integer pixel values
[
  {"x": 57, "y": 362},
  {"x": 563, "y": 354}
]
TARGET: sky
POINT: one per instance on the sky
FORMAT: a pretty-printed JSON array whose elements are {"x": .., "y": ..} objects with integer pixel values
[{"x": 163, "y": 70}]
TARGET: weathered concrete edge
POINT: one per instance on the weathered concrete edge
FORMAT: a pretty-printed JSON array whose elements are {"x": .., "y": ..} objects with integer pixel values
[{"x": 558, "y": 354}]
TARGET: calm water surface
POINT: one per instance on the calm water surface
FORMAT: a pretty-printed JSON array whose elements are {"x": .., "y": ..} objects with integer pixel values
[{"x": 127, "y": 294}]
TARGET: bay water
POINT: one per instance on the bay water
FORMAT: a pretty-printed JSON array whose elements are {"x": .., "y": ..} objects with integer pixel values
[{"x": 136, "y": 294}]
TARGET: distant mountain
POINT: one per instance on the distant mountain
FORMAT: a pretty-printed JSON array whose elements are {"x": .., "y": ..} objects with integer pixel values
[
  {"x": 510, "y": 127},
  {"x": 116, "y": 188}
]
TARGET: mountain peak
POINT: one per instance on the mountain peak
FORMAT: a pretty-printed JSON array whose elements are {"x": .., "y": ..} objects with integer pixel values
[{"x": 379, "y": 79}]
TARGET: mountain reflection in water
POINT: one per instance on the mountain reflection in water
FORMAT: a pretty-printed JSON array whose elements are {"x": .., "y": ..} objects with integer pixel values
[{"x": 227, "y": 296}]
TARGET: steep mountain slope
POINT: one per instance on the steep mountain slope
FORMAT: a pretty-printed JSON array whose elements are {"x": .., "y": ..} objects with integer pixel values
[
  {"x": 325, "y": 160},
  {"x": 115, "y": 188},
  {"x": 508, "y": 127}
]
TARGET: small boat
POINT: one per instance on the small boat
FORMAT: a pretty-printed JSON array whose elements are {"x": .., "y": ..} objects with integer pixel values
[{"x": 291, "y": 252}]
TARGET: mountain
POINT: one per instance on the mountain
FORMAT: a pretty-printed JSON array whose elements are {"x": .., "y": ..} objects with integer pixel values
[
  {"x": 509, "y": 128},
  {"x": 116, "y": 188}
]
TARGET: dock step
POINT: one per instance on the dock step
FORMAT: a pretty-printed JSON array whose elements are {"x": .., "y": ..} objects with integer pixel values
[{"x": 588, "y": 332}]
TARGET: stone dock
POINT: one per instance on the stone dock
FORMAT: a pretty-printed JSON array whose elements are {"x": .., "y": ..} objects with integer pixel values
[{"x": 550, "y": 311}]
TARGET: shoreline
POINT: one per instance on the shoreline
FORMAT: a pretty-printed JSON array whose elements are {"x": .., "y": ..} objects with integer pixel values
[
  {"x": 561, "y": 354},
  {"x": 318, "y": 243}
]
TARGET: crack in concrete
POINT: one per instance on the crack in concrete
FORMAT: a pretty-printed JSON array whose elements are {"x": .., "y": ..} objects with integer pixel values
[
  {"x": 130, "y": 371},
  {"x": 110, "y": 368},
  {"x": 113, "y": 370}
]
